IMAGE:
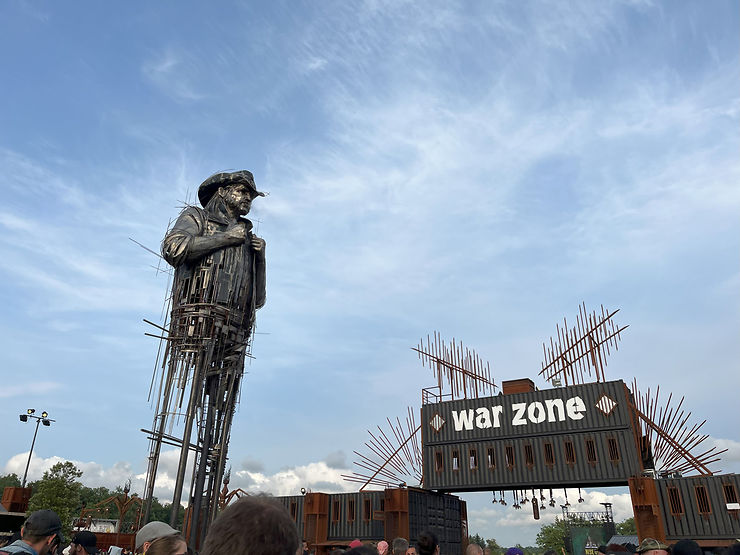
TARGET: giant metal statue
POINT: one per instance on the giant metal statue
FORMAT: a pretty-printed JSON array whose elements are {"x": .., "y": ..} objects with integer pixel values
[{"x": 218, "y": 285}]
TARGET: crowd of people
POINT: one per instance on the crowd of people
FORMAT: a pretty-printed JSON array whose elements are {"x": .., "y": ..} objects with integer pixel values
[{"x": 258, "y": 526}]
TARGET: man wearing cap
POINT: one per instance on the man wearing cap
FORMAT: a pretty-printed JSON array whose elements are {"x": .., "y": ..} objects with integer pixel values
[
  {"x": 84, "y": 543},
  {"x": 40, "y": 534},
  {"x": 150, "y": 532},
  {"x": 219, "y": 284},
  {"x": 650, "y": 546}
]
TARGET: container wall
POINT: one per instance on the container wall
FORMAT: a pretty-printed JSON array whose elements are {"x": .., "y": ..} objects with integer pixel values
[
  {"x": 684, "y": 507},
  {"x": 580, "y": 435}
]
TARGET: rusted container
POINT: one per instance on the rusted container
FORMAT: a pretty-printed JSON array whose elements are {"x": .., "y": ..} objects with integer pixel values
[
  {"x": 15, "y": 500},
  {"x": 334, "y": 520},
  {"x": 701, "y": 508},
  {"x": 577, "y": 436}
]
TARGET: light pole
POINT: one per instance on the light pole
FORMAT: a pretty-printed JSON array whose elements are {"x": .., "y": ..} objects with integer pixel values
[{"x": 39, "y": 420}]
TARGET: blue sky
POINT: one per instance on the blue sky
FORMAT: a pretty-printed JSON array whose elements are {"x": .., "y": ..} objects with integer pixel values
[{"x": 476, "y": 168}]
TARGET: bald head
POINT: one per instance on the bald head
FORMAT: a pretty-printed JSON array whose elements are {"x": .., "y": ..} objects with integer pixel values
[{"x": 474, "y": 549}]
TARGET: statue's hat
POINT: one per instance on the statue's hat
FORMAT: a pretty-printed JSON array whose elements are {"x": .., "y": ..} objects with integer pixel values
[{"x": 224, "y": 179}]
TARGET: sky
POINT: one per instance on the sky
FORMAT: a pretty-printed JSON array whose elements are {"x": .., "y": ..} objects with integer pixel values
[{"x": 477, "y": 168}]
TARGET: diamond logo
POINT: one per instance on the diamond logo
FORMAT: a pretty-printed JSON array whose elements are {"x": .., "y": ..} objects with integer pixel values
[
  {"x": 606, "y": 404},
  {"x": 437, "y": 422}
]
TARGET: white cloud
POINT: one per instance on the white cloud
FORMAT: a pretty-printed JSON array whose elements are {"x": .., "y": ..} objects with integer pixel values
[{"x": 29, "y": 389}]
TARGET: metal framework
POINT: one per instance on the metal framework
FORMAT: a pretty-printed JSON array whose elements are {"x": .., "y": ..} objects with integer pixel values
[
  {"x": 394, "y": 458},
  {"x": 581, "y": 351},
  {"x": 459, "y": 371},
  {"x": 675, "y": 444},
  {"x": 578, "y": 355}
]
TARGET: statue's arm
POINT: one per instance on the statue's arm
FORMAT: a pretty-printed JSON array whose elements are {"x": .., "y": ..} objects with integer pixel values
[
  {"x": 185, "y": 243},
  {"x": 259, "y": 277}
]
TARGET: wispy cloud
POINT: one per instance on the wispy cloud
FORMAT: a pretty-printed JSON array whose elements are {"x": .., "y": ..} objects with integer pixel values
[{"x": 175, "y": 73}]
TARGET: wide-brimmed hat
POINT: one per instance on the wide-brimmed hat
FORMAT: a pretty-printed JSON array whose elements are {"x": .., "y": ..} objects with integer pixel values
[
  {"x": 223, "y": 179},
  {"x": 87, "y": 540},
  {"x": 649, "y": 544}
]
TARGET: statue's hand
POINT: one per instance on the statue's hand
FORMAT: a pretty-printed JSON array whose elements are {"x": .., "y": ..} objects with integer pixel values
[
  {"x": 258, "y": 243},
  {"x": 237, "y": 233}
]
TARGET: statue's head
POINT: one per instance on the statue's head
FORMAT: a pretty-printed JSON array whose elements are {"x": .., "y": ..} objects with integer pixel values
[{"x": 228, "y": 182}]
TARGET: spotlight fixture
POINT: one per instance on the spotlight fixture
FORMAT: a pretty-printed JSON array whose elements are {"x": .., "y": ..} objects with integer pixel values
[
  {"x": 23, "y": 417},
  {"x": 31, "y": 411},
  {"x": 44, "y": 414}
]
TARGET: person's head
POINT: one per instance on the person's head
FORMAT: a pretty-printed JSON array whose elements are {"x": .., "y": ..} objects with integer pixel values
[
  {"x": 235, "y": 190},
  {"x": 427, "y": 544},
  {"x": 150, "y": 532},
  {"x": 651, "y": 546},
  {"x": 602, "y": 549},
  {"x": 486, "y": 551},
  {"x": 474, "y": 549},
  {"x": 83, "y": 543},
  {"x": 168, "y": 545},
  {"x": 686, "y": 547},
  {"x": 42, "y": 531},
  {"x": 514, "y": 551},
  {"x": 382, "y": 547},
  {"x": 411, "y": 550},
  {"x": 400, "y": 546},
  {"x": 252, "y": 526}
]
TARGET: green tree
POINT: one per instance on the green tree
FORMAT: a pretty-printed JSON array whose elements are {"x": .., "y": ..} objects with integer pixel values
[
  {"x": 493, "y": 545},
  {"x": 477, "y": 539},
  {"x": 59, "y": 491},
  {"x": 9, "y": 481},
  {"x": 627, "y": 527},
  {"x": 552, "y": 536}
]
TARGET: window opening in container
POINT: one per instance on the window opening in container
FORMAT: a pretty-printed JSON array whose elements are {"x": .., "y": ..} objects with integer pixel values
[
  {"x": 438, "y": 463},
  {"x": 529, "y": 456},
  {"x": 591, "y": 452},
  {"x": 570, "y": 452},
  {"x": 549, "y": 454},
  {"x": 350, "y": 510},
  {"x": 491, "y": 458},
  {"x": 731, "y": 497},
  {"x": 473, "y": 457},
  {"x": 336, "y": 511},
  {"x": 455, "y": 459},
  {"x": 702, "y": 501},
  {"x": 509, "y": 452},
  {"x": 294, "y": 510},
  {"x": 367, "y": 509},
  {"x": 382, "y": 504},
  {"x": 613, "y": 449},
  {"x": 675, "y": 501}
]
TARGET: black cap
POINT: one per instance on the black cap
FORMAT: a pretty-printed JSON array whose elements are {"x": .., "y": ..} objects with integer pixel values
[
  {"x": 42, "y": 523},
  {"x": 88, "y": 540}
]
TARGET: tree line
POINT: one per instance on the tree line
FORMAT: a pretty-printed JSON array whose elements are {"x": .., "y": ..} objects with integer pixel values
[
  {"x": 61, "y": 491},
  {"x": 552, "y": 536}
]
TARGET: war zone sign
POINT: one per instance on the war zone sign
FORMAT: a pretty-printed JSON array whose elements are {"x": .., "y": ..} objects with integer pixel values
[{"x": 571, "y": 436}]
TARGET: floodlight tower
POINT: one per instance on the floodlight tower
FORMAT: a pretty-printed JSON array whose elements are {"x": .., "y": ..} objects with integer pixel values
[{"x": 43, "y": 419}]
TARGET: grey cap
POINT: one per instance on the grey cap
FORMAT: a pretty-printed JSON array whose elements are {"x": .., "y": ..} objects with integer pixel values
[
  {"x": 43, "y": 523},
  {"x": 152, "y": 531}
]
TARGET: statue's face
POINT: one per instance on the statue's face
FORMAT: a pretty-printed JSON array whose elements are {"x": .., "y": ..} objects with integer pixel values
[{"x": 238, "y": 198}]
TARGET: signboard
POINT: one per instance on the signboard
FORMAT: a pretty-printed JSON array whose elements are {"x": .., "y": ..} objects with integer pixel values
[{"x": 563, "y": 436}]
